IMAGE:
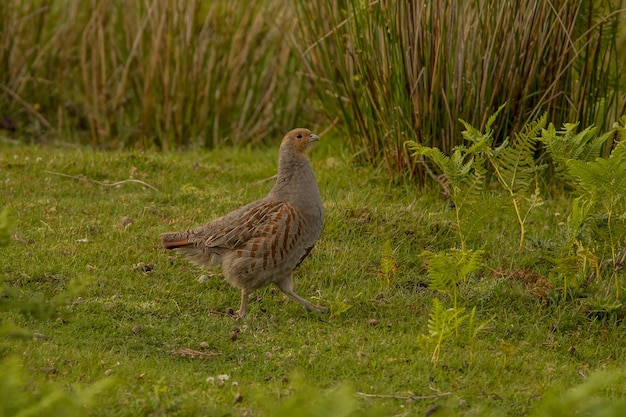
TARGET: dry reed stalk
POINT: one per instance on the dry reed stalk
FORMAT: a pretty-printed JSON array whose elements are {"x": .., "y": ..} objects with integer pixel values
[
  {"x": 163, "y": 73},
  {"x": 410, "y": 70}
]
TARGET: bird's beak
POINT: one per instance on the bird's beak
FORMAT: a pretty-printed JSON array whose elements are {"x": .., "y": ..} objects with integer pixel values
[{"x": 313, "y": 137}]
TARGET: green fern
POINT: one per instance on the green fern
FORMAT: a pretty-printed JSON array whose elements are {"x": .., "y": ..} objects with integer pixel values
[
  {"x": 566, "y": 144},
  {"x": 7, "y": 222},
  {"x": 602, "y": 183},
  {"x": 460, "y": 168},
  {"x": 474, "y": 328},
  {"x": 442, "y": 324},
  {"x": 571, "y": 270},
  {"x": 513, "y": 164},
  {"x": 593, "y": 397},
  {"x": 338, "y": 307},
  {"x": 602, "y": 180},
  {"x": 447, "y": 269},
  {"x": 575, "y": 220},
  {"x": 21, "y": 397},
  {"x": 572, "y": 259},
  {"x": 465, "y": 174},
  {"x": 599, "y": 208},
  {"x": 620, "y": 128},
  {"x": 388, "y": 266},
  {"x": 480, "y": 141}
]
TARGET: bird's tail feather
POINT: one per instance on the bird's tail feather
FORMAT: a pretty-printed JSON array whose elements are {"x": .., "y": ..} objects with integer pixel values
[
  {"x": 179, "y": 242},
  {"x": 175, "y": 240}
]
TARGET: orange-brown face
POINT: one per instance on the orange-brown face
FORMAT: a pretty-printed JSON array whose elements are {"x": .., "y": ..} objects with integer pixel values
[{"x": 300, "y": 139}]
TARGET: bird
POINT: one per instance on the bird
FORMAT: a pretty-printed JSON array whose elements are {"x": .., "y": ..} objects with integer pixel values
[{"x": 263, "y": 242}]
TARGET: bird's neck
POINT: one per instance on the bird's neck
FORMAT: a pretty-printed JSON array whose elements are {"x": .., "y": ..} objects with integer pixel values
[{"x": 294, "y": 174}]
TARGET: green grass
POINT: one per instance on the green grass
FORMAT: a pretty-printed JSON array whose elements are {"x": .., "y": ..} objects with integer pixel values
[{"x": 70, "y": 274}]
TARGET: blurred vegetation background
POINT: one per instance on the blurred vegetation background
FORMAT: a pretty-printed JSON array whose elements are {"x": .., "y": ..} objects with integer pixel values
[{"x": 169, "y": 73}]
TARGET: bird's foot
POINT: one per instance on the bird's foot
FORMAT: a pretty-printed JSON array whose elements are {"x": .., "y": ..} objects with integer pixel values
[{"x": 313, "y": 307}]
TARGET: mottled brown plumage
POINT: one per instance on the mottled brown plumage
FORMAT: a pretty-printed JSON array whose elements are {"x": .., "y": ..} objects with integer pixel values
[{"x": 263, "y": 242}]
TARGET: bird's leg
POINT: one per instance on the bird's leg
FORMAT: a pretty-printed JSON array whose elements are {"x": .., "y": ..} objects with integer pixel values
[
  {"x": 286, "y": 286},
  {"x": 244, "y": 302}
]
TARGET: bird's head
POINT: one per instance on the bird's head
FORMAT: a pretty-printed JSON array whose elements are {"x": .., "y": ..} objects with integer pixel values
[{"x": 299, "y": 140}]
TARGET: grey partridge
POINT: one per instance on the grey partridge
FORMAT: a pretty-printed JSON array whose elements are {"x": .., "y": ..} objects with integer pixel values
[{"x": 263, "y": 242}]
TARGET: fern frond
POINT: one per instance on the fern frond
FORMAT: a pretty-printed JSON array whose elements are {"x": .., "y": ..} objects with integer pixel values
[
  {"x": 418, "y": 149},
  {"x": 388, "y": 265},
  {"x": 455, "y": 167},
  {"x": 447, "y": 269},
  {"x": 575, "y": 220},
  {"x": 567, "y": 271},
  {"x": 619, "y": 151},
  {"x": 467, "y": 174},
  {"x": 566, "y": 144},
  {"x": 464, "y": 172},
  {"x": 438, "y": 320},
  {"x": 602, "y": 183},
  {"x": 589, "y": 145},
  {"x": 491, "y": 120},
  {"x": 572, "y": 269},
  {"x": 602, "y": 180},
  {"x": 442, "y": 271},
  {"x": 470, "y": 262},
  {"x": 438, "y": 327},
  {"x": 481, "y": 142},
  {"x": 442, "y": 323},
  {"x": 338, "y": 307},
  {"x": 516, "y": 170},
  {"x": 515, "y": 164},
  {"x": 567, "y": 266},
  {"x": 620, "y": 127},
  {"x": 475, "y": 136},
  {"x": 7, "y": 222}
]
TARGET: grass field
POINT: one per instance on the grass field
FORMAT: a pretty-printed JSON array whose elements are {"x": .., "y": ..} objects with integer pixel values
[
  {"x": 503, "y": 292},
  {"x": 89, "y": 297}
]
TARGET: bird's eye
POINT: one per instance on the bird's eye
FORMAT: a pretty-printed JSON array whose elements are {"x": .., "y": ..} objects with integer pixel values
[{"x": 299, "y": 135}]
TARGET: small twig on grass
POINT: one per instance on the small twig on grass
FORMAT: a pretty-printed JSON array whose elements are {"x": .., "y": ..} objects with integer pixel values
[
  {"x": 221, "y": 313},
  {"x": 193, "y": 354},
  {"x": 104, "y": 184},
  {"x": 404, "y": 397}
]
